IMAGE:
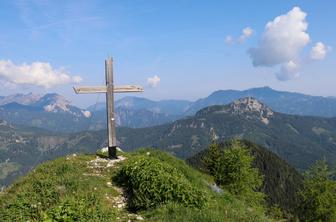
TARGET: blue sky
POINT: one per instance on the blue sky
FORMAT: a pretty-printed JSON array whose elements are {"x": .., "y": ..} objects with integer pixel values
[{"x": 44, "y": 45}]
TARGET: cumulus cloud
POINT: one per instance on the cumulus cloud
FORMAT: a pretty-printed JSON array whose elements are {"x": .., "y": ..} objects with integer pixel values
[
  {"x": 246, "y": 33},
  {"x": 37, "y": 73},
  {"x": 153, "y": 81},
  {"x": 319, "y": 51},
  {"x": 288, "y": 71},
  {"x": 228, "y": 40},
  {"x": 282, "y": 40}
]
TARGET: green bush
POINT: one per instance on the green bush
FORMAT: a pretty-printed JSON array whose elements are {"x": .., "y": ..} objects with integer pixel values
[
  {"x": 232, "y": 169},
  {"x": 151, "y": 182}
]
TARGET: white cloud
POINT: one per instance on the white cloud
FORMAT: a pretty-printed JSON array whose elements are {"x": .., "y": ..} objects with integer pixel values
[
  {"x": 37, "y": 73},
  {"x": 246, "y": 33},
  {"x": 288, "y": 71},
  {"x": 282, "y": 40},
  {"x": 228, "y": 40},
  {"x": 153, "y": 81},
  {"x": 319, "y": 51}
]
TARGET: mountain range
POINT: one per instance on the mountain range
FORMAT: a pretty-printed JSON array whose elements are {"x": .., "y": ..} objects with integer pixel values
[
  {"x": 280, "y": 101},
  {"x": 153, "y": 113},
  {"x": 50, "y": 111},
  {"x": 300, "y": 140},
  {"x": 56, "y": 113}
]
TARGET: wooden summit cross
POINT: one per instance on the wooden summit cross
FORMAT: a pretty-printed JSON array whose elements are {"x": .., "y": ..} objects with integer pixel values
[{"x": 109, "y": 89}]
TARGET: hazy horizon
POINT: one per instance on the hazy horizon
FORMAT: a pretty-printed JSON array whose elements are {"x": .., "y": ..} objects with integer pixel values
[{"x": 100, "y": 98}]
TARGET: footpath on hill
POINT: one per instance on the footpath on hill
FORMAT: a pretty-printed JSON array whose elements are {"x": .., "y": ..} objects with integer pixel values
[{"x": 146, "y": 185}]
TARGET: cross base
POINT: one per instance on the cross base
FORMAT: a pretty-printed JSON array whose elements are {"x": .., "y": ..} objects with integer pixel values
[{"x": 112, "y": 152}]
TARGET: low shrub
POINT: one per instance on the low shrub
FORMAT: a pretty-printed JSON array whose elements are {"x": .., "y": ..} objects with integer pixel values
[
  {"x": 232, "y": 169},
  {"x": 150, "y": 182}
]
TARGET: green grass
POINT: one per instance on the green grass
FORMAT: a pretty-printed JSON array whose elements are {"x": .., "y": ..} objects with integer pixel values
[
  {"x": 224, "y": 207},
  {"x": 62, "y": 188},
  {"x": 66, "y": 189}
]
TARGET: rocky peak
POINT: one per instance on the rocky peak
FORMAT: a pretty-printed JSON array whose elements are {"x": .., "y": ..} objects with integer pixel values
[
  {"x": 53, "y": 102},
  {"x": 250, "y": 106}
]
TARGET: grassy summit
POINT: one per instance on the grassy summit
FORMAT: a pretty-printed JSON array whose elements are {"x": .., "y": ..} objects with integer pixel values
[{"x": 90, "y": 188}]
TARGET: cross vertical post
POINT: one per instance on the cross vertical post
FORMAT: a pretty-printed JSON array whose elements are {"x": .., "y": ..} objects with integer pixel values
[
  {"x": 109, "y": 89},
  {"x": 111, "y": 131}
]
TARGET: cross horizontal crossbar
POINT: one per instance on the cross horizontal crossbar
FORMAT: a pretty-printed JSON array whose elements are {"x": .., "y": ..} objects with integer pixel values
[{"x": 103, "y": 89}]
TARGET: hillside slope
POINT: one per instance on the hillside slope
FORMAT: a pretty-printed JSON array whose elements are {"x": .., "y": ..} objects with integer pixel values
[
  {"x": 22, "y": 148},
  {"x": 281, "y": 181},
  {"x": 80, "y": 188}
]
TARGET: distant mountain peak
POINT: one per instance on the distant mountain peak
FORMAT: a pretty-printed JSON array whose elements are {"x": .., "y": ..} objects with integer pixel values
[
  {"x": 53, "y": 102},
  {"x": 250, "y": 105},
  {"x": 23, "y": 99}
]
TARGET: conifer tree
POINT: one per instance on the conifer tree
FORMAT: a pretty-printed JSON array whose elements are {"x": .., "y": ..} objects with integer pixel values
[
  {"x": 238, "y": 175},
  {"x": 318, "y": 194},
  {"x": 212, "y": 160},
  {"x": 232, "y": 169}
]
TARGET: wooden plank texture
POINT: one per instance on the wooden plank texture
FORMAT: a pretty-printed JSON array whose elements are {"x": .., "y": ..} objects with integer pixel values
[
  {"x": 128, "y": 88},
  {"x": 103, "y": 89},
  {"x": 90, "y": 89},
  {"x": 110, "y": 104}
]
